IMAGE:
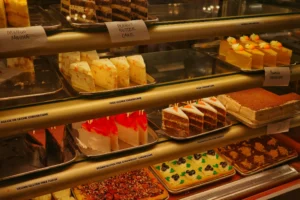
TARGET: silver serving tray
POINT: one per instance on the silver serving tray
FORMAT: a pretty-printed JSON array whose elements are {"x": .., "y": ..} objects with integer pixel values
[
  {"x": 213, "y": 180},
  {"x": 155, "y": 118},
  {"x": 96, "y": 25},
  {"x": 18, "y": 164},
  {"x": 39, "y": 17},
  {"x": 152, "y": 139},
  {"x": 47, "y": 82}
]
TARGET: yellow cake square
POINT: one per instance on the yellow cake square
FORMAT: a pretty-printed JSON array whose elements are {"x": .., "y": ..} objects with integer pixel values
[
  {"x": 105, "y": 73},
  {"x": 137, "y": 70},
  {"x": 123, "y": 71}
]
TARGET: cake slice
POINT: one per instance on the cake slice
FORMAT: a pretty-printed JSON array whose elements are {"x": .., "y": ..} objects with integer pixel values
[
  {"x": 17, "y": 13},
  {"x": 3, "y": 23},
  {"x": 81, "y": 77},
  {"x": 196, "y": 117},
  {"x": 65, "y": 7},
  {"x": 121, "y": 10},
  {"x": 239, "y": 57},
  {"x": 246, "y": 40},
  {"x": 216, "y": 104},
  {"x": 255, "y": 38},
  {"x": 66, "y": 59},
  {"x": 270, "y": 57},
  {"x": 105, "y": 73},
  {"x": 210, "y": 114},
  {"x": 283, "y": 54},
  {"x": 225, "y": 46},
  {"x": 83, "y": 11},
  {"x": 104, "y": 10},
  {"x": 257, "y": 56},
  {"x": 175, "y": 121},
  {"x": 123, "y": 71},
  {"x": 56, "y": 141},
  {"x": 142, "y": 123},
  {"x": 89, "y": 56},
  {"x": 35, "y": 143},
  {"x": 139, "y": 9},
  {"x": 137, "y": 72},
  {"x": 62, "y": 194},
  {"x": 22, "y": 63},
  {"x": 128, "y": 129}
]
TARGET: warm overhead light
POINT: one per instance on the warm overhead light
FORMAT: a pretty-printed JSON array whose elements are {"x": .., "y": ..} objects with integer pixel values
[
  {"x": 218, "y": 7},
  {"x": 204, "y": 8}
]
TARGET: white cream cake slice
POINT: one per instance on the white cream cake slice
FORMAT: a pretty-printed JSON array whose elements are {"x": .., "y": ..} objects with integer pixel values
[
  {"x": 66, "y": 59},
  {"x": 89, "y": 56},
  {"x": 81, "y": 76},
  {"x": 137, "y": 70},
  {"x": 123, "y": 71}
]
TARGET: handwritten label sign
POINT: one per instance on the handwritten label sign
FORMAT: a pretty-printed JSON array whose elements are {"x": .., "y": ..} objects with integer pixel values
[
  {"x": 134, "y": 30},
  {"x": 277, "y": 76},
  {"x": 279, "y": 127},
  {"x": 13, "y": 39}
]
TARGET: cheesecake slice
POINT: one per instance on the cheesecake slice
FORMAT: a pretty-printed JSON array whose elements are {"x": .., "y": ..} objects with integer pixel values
[
  {"x": 81, "y": 77},
  {"x": 239, "y": 57},
  {"x": 17, "y": 13},
  {"x": 89, "y": 56},
  {"x": 257, "y": 56},
  {"x": 56, "y": 141},
  {"x": 270, "y": 57},
  {"x": 142, "y": 122},
  {"x": 137, "y": 70},
  {"x": 123, "y": 71},
  {"x": 3, "y": 22},
  {"x": 283, "y": 54},
  {"x": 127, "y": 129},
  {"x": 105, "y": 73}
]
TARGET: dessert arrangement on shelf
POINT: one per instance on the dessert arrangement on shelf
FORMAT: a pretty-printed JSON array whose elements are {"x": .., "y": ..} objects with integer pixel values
[
  {"x": 193, "y": 171},
  {"x": 136, "y": 184},
  {"x": 191, "y": 119},
  {"x": 256, "y": 154},
  {"x": 113, "y": 134},
  {"x": 256, "y": 107},
  {"x": 59, "y": 195},
  {"x": 252, "y": 53},
  {"x": 88, "y": 74}
]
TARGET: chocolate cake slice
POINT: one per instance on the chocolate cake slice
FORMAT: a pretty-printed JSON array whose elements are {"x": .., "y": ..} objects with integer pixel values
[
  {"x": 121, "y": 10},
  {"x": 56, "y": 141}
]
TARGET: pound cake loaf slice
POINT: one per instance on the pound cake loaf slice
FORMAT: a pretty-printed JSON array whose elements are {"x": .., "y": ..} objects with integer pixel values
[
  {"x": 89, "y": 56},
  {"x": 216, "y": 104},
  {"x": 105, "y": 73},
  {"x": 121, "y": 10},
  {"x": 56, "y": 141},
  {"x": 175, "y": 121},
  {"x": 81, "y": 77},
  {"x": 17, "y": 13},
  {"x": 210, "y": 114},
  {"x": 104, "y": 10},
  {"x": 65, "y": 7},
  {"x": 137, "y": 71},
  {"x": 270, "y": 57},
  {"x": 139, "y": 9},
  {"x": 35, "y": 143},
  {"x": 123, "y": 71},
  {"x": 283, "y": 54},
  {"x": 3, "y": 22},
  {"x": 225, "y": 46},
  {"x": 196, "y": 117},
  {"x": 257, "y": 56},
  {"x": 239, "y": 57}
]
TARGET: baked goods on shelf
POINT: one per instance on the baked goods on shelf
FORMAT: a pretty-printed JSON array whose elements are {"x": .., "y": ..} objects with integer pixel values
[
  {"x": 196, "y": 117},
  {"x": 83, "y": 10},
  {"x": 59, "y": 195},
  {"x": 3, "y": 22},
  {"x": 137, "y": 70},
  {"x": 142, "y": 122},
  {"x": 225, "y": 46},
  {"x": 123, "y": 71},
  {"x": 239, "y": 57},
  {"x": 257, "y": 56},
  {"x": 105, "y": 73},
  {"x": 270, "y": 57},
  {"x": 22, "y": 63},
  {"x": 104, "y": 10},
  {"x": 56, "y": 141},
  {"x": 139, "y": 9},
  {"x": 89, "y": 56},
  {"x": 66, "y": 59},
  {"x": 136, "y": 184},
  {"x": 283, "y": 54},
  {"x": 216, "y": 104},
  {"x": 249, "y": 156},
  {"x": 210, "y": 114},
  {"x": 246, "y": 40},
  {"x": 43, "y": 197},
  {"x": 121, "y": 10},
  {"x": 17, "y": 13},
  {"x": 259, "y": 105},
  {"x": 65, "y": 7},
  {"x": 255, "y": 38},
  {"x": 193, "y": 170}
]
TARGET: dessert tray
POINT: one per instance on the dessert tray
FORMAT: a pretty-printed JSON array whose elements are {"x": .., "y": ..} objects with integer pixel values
[
  {"x": 39, "y": 17},
  {"x": 90, "y": 153},
  {"x": 155, "y": 118},
  {"x": 15, "y": 83},
  {"x": 192, "y": 171},
  {"x": 258, "y": 154},
  {"x": 96, "y": 25},
  {"x": 17, "y": 163}
]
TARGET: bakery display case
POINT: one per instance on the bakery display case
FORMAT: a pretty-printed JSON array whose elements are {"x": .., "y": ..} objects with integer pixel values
[{"x": 174, "y": 76}]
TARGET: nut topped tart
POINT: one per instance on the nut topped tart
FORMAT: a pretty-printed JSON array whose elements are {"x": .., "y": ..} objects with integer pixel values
[
  {"x": 137, "y": 184},
  {"x": 193, "y": 170},
  {"x": 255, "y": 154}
]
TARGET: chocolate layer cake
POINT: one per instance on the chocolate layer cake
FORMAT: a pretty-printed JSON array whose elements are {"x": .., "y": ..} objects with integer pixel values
[
  {"x": 104, "y": 10},
  {"x": 35, "y": 143},
  {"x": 56, "y": 140},
  {"x": 139, "y": 9},
  {"x": 65, "y": 7},
  {"x": 121, "y": 10},
  {"x": 83, "y": 10}
]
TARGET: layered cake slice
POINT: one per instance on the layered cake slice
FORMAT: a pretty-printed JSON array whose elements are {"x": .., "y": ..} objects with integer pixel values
[
  {"x": 283, "y": 54},
  {"x": 137, "y": 71},
  {"x": 56, "y": 141},
  {"x": 65, "y": 7},
  {"x": 139, "y": 9},
  {"x": 89, "y": 56},
  {"x": 257, "y": 56},
  {"x": 105, "y": 73},
  {"x": 17, "y": 13},
  {"x": 121, "y": 10},
  {"x": 216, "y": 104},
  {"x": 66, "y": 59},
  {"x": 142, "y": 122},
  {"x": 127, "y": 129},
  {"x": 255, "y": 38},
  {"x": 175, "y": 121},
  {"x": 246, "y": 40},
  {"x": 104, "y": 10},
  {"x": 3, "y": 23},
  {"x": 196, "y": 117},
  {"x": 225, "y": 46},
  {"x": 210, "y": 114},
  {"x": 22, "y": 63},
  {"x": 270, "y": 57},
  {"x": 83, "y": 10},
  {"x": 123, "y": 71},
  {"x": 81, "y": 77},
  {"x": 239, "y": 57},
  {"x": 35, "y": 143}
]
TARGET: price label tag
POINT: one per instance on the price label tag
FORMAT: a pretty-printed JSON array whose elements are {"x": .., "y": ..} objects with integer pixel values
[
  {"x": 134, "y": 30},
  {"x": 13, "y": 39},
  {"x": 279, "y": 127},
  {"x": 277, "y": 76}
]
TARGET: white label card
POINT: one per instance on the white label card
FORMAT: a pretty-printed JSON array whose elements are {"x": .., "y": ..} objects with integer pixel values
[
  {"x": 279, "y": 127},
  {"x": 277, "y": 76},
  {"x": 13, "y": 39},
  {"x": 127, "y": 31}
]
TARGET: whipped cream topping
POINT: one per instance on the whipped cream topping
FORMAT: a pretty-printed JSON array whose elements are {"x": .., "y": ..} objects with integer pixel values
[
  {"x": 231, "y": 40},
  {"x": 275, "y": 44},
  {"x": 249, "y": 46},
  {"x": 244, "y": 38},
  {"x": 254, "y": 37},
  {"x": 264, "y": 45},
  {"x": 237, "y": 47}
]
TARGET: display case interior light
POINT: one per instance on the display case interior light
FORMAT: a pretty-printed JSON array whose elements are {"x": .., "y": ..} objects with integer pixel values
[{"x": 204, "y": 8}]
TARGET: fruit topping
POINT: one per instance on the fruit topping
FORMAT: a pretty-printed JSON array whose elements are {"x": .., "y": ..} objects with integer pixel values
[
  {"x": 181, "y": 161},
  {"x": 223, "y": 164},
  {"x": 175, "y": 177},
  {"x": 164, "y": 167},
  {"x": 209, "y": 168},
  {"x": 211, "y": 152},
  {"x": 190, "y": 172},
  {"x": 197, "y": 156}
]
